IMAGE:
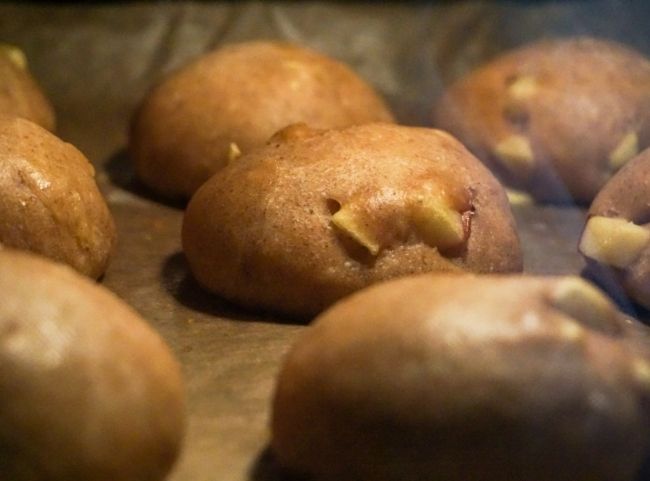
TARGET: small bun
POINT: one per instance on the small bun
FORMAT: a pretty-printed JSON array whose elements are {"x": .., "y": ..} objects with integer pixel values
[
  {"x": 459, "y": 377},
  {"x": 616, "y": 237},
  {"x": 557, "y": 118},
  {"x": 49, "y": 201},
  {"x": 89, "y": 391},
  {"x": 318, "y": 214},
  {"x": 232, "y": 100},
  {"x": 20, "y": 95}
]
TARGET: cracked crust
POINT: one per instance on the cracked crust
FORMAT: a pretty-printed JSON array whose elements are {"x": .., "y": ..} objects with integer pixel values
[
  {"x": 240, "y": 94},
  {"x": 264, "y": 231},
  {"x": 462, "y": 377},
  {"x": 49, "y": 201},
  {"x": 579, "y": 109}
]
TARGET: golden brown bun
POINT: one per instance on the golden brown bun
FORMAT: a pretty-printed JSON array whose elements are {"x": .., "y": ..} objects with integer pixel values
[
  {"x": 459, "y": 377},
  {"x": 49, "y": 201},
  {"x": 240, "y": 95},
  {"x": 269, "y": 231},
  {"x": 625, "y": 197},
  {"x": 88, "y": 391},
  {"x": 20, "y": 95},
  {"x": 578, "y": 108}
]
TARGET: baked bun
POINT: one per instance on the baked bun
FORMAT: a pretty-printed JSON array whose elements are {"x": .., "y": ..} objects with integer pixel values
[
  {"x": 556, "y": 118},
  {"x": 49, "y": 201},
  {"x": 616, "y": 238},
  {"x": 232, "y": 100},
  {"x": 316, "y": 215},
  {"x": 20, "y": 95},
  {"x": 88, "y": 391},
  {"x": 459, "y": 377}
]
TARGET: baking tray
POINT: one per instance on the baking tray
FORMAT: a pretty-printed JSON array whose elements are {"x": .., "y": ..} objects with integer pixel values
[{"x": 96, "y": 61}]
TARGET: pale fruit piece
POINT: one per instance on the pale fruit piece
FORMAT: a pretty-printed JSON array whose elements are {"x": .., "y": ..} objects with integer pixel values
[
  {"x": 613, "y": 241},
  {"x": 351, "y": 222},
  {"x": 571, "y": 332},
  {"x": 233, "y": 152},
  {"x": 518, "y": 197},
  {"x": 625, "y": 150},
  {"x": 641, "y": 371},
  {"x": 524, "y": 86},
  {"x": 14, "y": 54},
  {"x": 583, "y": 302},
  {"x": 439, "y": 224},
  {"x": 516, "y": 154}
]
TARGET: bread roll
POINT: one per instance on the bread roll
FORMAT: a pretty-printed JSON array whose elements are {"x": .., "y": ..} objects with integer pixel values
[
  {"x": 459, "y": 377},
  {"x": 87, "y": 390},
  {"x": 616, "y": 237},
  {"x": 232, "y": 100},
  {"x": 316, "y": 215},
  {"x": 49, "y": 201},
  {"x": 557, "y": 118},
  {"x": 20, "y": 95}
]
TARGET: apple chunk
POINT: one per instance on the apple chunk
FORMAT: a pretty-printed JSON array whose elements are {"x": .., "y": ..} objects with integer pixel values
[
  {"x": 351, "y": 222},
  {"x": 627, "y": 148},
  {"x": 14, "y": 54},
  {"x": 516, "y": 154},
  {"x": 613, "y": 241},
  {"x": 439, "y": 224},
  {"x": 583, "y": 302}
]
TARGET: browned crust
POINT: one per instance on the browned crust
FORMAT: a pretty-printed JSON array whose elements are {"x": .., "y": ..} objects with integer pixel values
[
  {"x": 260, "y": 231},
  {"x": 89, "y": 391},
  {"x": 461, "y": 377},
  {"x": 240, "y": 94},
  {"x": 21, "y": 96},
  {"x": 590, "y": 94},
  {"x": 49, "y": 201},
  {"x": 627, "y": 196}
]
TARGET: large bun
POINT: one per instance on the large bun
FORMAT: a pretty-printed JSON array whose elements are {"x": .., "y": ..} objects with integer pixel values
[
  {"x": 556, "y": 118},
  {"x": 316, "y": 215},
  {"x": 232, "y": 100},
  {"x": 458, "y": 377},
  {"x": 87, "y": 390},
  {"x": 49, "y": 201}
]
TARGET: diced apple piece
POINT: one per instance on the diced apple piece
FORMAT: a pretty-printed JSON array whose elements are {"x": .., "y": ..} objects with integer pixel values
[
  {"x": 523, "y": 87},
  {"x": 351, "y": 223},
  {"x": 518, "y": 197},
  {"x": 233, "y": 152},
  {"x": 613, "y": 241},
  {"x": 14, "y": 54},
  {"x": 571, "y": 331},
  {"x": 641, "y": 371},
  {"x": 516, "y": 154},
  {"x": 439, "y": 224},
  {"x": 583, "y": 302},
  {"x": 627, "y": 148}
]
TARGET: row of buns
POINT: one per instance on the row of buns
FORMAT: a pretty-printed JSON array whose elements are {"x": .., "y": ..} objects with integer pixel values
[
  {"x": 566, "y": 115},
  {"x": 88, "y": 390},
  {"x": 448, "y": 377}
]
